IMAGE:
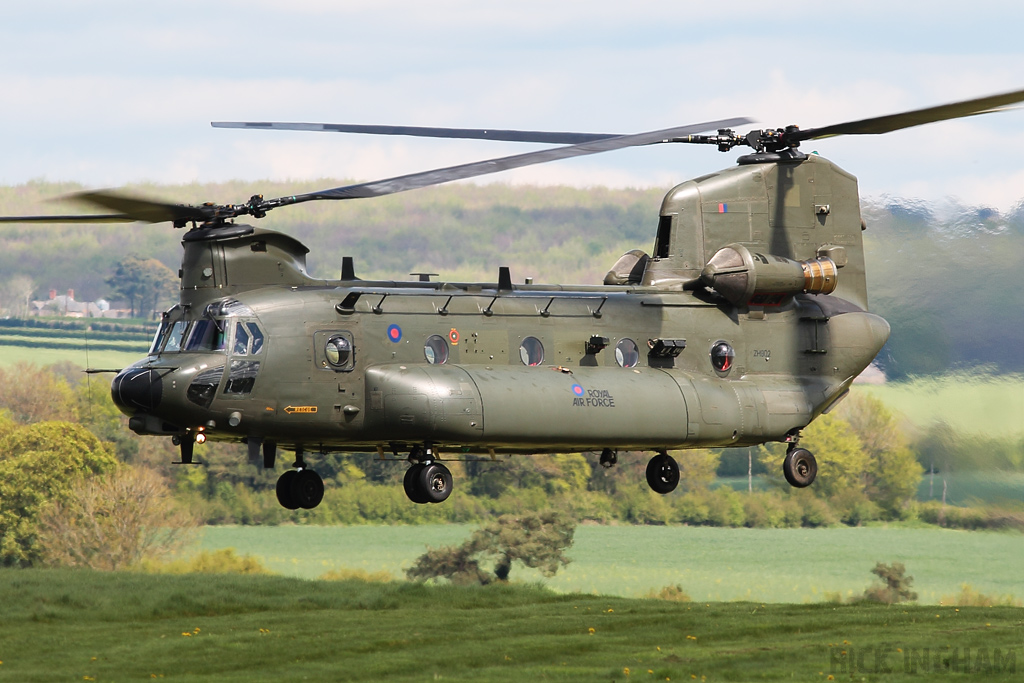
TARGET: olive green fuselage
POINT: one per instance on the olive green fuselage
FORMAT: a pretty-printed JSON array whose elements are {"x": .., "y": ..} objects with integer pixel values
[{"x": 353, "y": 365}]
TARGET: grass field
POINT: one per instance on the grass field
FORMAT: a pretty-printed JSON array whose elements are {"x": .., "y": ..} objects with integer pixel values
[
  {"x": 767, "y": 565},
  {"x": 81, "y": 625},
  {"x": 9, "y": 355},
  {"x": 973, "y": 404}
]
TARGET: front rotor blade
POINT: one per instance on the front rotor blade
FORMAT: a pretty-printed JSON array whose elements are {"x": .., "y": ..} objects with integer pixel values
[
  {"x": 145, "y": 210},
  {"x": 552, "y": 137},
  {"x": 918, "y": 117},
  {"x": 444, "y": 175},
  {"x": 76, "y": 218}
]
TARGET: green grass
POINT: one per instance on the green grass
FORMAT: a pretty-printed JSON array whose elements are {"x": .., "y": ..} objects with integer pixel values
[
  {"x": 767, "y": 565},
  {"x": 971, "y": 404},
  {"x": 9, "y": 355},
  {"x": 80, "y": 625}
]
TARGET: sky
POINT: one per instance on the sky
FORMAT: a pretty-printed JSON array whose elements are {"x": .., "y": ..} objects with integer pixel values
[{"x": 115, "y": 92}]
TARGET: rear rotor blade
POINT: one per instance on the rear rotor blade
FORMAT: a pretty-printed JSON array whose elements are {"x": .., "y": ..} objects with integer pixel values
[
  {"x": 443, "y": 175},
  {"x": 917, "y": 117},
  {"x": 552, "y": 137}
]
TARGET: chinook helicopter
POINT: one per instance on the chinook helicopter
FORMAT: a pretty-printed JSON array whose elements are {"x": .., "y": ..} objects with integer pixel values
[{"x": 747, "y": 321}]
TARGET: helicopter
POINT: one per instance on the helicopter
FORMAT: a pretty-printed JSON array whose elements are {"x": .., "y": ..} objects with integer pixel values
[{"x": 748, "y": 319}]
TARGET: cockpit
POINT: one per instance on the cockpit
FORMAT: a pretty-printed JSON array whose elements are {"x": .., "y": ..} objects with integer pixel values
[
  {"x": 210, "y": 333},
  {"x": 227, "y": 328}
]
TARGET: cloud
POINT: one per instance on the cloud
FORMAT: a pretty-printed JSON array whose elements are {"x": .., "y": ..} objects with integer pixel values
[{"x": 115, "y": 91}]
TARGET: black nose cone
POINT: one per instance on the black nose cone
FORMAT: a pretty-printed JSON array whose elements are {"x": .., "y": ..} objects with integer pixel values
[{"x": 137, "y": 390}]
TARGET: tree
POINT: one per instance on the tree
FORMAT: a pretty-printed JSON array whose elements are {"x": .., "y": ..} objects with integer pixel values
[
  {"x": 893, "y": 473},
  {"x": 33, "y": 394},
  {"x": 536, "y": 539},
  {"x": 39, "y": 465},
  {"x": 113, "y": 522},
  {"x": 15, "y": 295},
  {"x": 144, "y": 283},
  {"x": 697, "y": 468}
]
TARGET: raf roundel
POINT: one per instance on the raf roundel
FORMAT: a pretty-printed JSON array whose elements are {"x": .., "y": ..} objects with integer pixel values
[
  {"x": 577, "y": 389},
  {"x": 395, "y": 333}
]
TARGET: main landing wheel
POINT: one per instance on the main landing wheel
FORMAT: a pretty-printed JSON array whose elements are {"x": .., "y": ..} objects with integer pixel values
[
  {"x": 428, "y": 483},
  {"x": 663, "y": 473},
  {"x": 300, "y": 489},
  {"x": 800, "y": 467}
]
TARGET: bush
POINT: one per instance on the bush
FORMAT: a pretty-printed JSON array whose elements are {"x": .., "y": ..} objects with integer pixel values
[
  {"x": 854, "y": 508},
  {"x": 692, "y": 508},
  {"x": 816, "y": 512},
  {"x": 895, "y": 585},
  {"x": 223, "y": 561},
  {"x": 954, "y": 517},
  {"x": 345, "y": 574},
  {"x": 113, "y": 522},
  {"x": 969, "y": 597},
  {"x": 671, "y": 593},
  {"x": 725, "y": 507}
]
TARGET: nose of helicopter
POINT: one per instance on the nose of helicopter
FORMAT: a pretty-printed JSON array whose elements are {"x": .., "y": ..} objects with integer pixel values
[{"x": 136, "y": 389}]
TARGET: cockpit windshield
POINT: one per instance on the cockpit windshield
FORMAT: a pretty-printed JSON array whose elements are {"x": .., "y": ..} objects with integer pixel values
[{"x": 172, "y": 333}]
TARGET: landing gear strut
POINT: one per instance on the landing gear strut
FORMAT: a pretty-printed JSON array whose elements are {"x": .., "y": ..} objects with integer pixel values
[
  {"x": 608, "y": 458},
  {"x": 663, "y": 473},
  {"x": 427, "y": 481},
  {"x": 300, "y": 487},
  {"x": 799, "y": 467}
]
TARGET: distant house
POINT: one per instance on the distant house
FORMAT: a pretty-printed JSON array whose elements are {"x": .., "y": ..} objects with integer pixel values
[{"x": 64, "y": 305}]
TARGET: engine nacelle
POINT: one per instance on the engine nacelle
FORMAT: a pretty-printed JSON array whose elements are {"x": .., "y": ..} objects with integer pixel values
[{"x": 743, "y": 277}]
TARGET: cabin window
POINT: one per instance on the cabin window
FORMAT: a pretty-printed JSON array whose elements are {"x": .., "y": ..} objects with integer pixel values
[
  {"x": 242, "y": 377},
  {"x": 627, "y": 354},
  {"x": 203, "y": 388},
  {"x": 531, "y": 351},
  {"x": 338, "y": 351},
  {"x": 722, "y": 357},
  {"x": 436, "y": 350}
]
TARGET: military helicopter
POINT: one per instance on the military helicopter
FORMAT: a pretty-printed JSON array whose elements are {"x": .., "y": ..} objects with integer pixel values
[{"x": 747, "y": 321}]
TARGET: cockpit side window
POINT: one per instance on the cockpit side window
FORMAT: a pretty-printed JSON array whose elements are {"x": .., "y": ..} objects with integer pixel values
[
  {"x": 207, "y": 335},
  {"x": 176, "y": 335}
]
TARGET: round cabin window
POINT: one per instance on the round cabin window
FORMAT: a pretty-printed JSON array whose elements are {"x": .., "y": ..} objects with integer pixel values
[
  {"x": 436, "y": 350},
  {"x": 338, "y": 351},
  {"x": 722, "y": 357},
  {"x": 627, "y": 355},
  {"x": 531, "y": 351}
]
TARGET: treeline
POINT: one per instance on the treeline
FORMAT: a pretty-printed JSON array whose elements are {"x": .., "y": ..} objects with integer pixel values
[{"x": 939, "y": 274}]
